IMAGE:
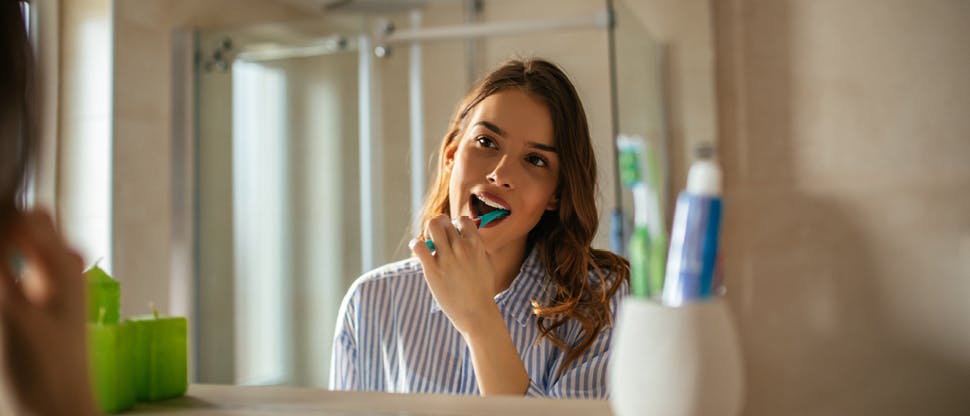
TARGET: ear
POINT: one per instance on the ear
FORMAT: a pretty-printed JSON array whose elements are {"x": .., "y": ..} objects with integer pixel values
[
  {"x": 553, "y": 203},
  {"x": 450, "y": 156}
]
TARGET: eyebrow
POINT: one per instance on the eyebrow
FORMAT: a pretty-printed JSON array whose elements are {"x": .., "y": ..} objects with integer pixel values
[
  {"x": 541, "y": 146},
  {"x": 491, "y": 127},
  {"x": 502, "y": 133}
]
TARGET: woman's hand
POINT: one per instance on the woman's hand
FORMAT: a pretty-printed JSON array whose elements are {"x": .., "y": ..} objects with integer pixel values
[
  {"x": 462, "y": 280},
  {"x": 43, "y": 349},
  {"x": 459, "y": 273}
]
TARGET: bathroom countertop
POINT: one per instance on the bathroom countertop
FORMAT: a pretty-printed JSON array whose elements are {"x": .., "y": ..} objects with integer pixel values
[{"x": 203, "y": 399}]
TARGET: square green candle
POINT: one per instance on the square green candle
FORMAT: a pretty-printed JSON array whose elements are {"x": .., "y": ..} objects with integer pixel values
[
  {"x": 111, "y": 353},
  {"x": 104, "y": 296},
  {"x": 161, "y": 350}
]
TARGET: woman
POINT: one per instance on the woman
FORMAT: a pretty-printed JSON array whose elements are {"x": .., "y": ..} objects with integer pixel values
[
  {"x": 43, "y": 352},
  {"x": 521, "y": 306}
]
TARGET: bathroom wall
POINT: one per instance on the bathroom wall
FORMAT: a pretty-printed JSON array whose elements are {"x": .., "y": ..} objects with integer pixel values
[
  {"x": 142, "y": 155},
  {"x": 142, "y": 118},
  {"x": 845, "y": 143}
]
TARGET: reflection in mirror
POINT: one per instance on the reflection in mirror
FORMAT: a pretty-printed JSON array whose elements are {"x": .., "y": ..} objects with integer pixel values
[
  {"x": 639, "y": 111},
  {"x": 316, "y": 140}
]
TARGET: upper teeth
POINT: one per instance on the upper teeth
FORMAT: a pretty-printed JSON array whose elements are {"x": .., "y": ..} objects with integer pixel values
[{"x": 490, "y": 203}]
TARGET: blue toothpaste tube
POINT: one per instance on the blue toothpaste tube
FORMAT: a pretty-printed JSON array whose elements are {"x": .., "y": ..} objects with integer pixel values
[{"x": 694, "y": 238}]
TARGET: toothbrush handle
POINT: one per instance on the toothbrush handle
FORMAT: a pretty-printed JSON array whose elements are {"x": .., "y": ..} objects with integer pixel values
[
  {"x": 430, "y": 244},
  {"x": 479, "y": 221}
]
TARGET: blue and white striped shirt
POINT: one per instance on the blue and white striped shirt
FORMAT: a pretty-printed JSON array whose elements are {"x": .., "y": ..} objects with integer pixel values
[{"x": 392, "y": 336}]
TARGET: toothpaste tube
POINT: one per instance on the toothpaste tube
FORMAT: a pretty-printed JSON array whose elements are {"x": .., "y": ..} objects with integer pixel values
[{"x": 694, "y": 238}]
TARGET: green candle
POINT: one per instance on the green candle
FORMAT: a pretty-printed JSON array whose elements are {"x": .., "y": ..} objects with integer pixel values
[
  {"x": 104, "y": 293},
  {"x": 161, "y": 350},
  {"x": 111, "y": 354}
]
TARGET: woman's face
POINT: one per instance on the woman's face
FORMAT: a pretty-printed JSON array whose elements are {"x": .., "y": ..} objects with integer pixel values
[{"x": 506, "y": 157}]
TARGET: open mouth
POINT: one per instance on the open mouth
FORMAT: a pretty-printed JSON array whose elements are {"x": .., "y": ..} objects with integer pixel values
[{"x": 481, "y": 205}]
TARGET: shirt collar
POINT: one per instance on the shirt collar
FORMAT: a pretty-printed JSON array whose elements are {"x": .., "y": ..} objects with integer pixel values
[{"x": 516, "y": 301}]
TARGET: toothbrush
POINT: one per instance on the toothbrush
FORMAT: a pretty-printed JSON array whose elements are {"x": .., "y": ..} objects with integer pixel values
[
  {"x": 647, "y": 244},
  {"x": 485, "y": 219}
]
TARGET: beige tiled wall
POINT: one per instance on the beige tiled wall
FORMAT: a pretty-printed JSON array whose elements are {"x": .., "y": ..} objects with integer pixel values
[
  {"x": 142, "y": 151},
  {"x": 846, "y": 148},
  {"x": 142, "y": 117}
]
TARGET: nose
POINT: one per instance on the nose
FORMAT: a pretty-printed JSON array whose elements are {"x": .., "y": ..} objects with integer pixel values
[{"x": 502, "y": 174}]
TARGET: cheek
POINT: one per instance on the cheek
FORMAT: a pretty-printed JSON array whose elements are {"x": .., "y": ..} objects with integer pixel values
[
  {"x": 465, "y": 170},
  {"x": 543, "y": 188},
  {"x": 454, "y": 191},
  {"x": 538, "y": 197}
]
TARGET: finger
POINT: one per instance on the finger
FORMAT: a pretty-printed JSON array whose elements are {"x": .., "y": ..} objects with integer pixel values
[
  {"x": 12, "y": 300},
  {"x": 45, "y": 250},
  {"x": 467, "y": 242},
  {"x": 454, "y": 232},
  {"x": 438, "y": 230},
  {"x": 13, "y": 303},
  {"x": 469, "y": 230},
  {"x": 52, "y": 268},
  {"x": 423, "y": 253}
]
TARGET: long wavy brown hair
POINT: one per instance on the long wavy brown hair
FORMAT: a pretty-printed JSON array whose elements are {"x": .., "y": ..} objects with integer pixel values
[{"x": 562, "y": 237}]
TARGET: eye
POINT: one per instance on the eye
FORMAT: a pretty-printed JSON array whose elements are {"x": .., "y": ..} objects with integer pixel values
[
  {"x": 537, "y": 160},
  {"x": 485, "y": 141}
]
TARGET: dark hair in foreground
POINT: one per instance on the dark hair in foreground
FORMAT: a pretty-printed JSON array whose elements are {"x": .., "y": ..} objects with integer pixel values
[
  {"x": 17, "y": 147},
  {"x": 563, "y": 237}
]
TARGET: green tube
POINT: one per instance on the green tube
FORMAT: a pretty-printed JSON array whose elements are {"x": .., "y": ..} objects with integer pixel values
[{"x": 640, "y": 253}]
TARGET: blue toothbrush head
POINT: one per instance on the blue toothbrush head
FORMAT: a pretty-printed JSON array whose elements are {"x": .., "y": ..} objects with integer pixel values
[{"x": 492, "y": 216}]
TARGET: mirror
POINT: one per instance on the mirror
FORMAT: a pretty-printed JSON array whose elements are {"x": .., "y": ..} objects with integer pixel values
[{"x": 270, "y": 188}]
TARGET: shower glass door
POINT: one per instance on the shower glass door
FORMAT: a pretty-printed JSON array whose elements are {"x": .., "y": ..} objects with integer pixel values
[{"x": 277, "y": 201}]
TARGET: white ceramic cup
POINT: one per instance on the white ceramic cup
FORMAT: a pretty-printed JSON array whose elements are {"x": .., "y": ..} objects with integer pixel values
[{"x": 673, "y": 361}]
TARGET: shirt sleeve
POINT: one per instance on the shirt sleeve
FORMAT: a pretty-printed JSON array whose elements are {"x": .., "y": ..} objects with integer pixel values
[
  {"x": 585, "y": 378},
  {"x": 343, "y": 362}
]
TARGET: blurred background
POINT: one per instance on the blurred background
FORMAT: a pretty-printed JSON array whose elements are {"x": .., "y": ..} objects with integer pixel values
[{"x": 241, "y": 162}]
